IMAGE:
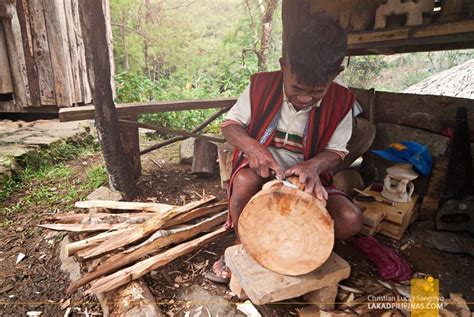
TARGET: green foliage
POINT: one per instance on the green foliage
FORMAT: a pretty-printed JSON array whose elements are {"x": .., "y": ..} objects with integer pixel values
[{"x": 362, "y": 70}]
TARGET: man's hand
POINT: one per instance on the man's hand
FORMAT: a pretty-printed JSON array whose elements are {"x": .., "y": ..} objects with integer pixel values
[
  {"x": 260, "y": 158},
  {"x": 308, "y": 173},
  {"x": 262, "y": 161}
]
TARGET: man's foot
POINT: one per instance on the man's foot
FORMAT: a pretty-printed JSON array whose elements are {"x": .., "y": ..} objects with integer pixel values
[{"x": 220, "y": 272}]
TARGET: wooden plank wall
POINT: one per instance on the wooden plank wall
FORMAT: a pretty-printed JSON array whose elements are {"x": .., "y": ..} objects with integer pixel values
[{"x": 42, "y": 56}]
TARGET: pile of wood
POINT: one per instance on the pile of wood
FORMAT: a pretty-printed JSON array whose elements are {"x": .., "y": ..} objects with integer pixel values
[
  {"x": 123, "y": 240},
  {"x": 391, "y": 221}
]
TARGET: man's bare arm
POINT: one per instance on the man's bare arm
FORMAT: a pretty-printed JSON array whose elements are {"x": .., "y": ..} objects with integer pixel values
[{"x": 260, "y": 158}]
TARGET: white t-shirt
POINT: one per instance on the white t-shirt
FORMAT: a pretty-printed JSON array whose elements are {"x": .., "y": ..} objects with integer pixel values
[{"x": 287, "y": 144}]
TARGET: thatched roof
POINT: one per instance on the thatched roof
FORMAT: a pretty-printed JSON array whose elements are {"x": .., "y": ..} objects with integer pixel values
[{"x": 455, "y": 82}]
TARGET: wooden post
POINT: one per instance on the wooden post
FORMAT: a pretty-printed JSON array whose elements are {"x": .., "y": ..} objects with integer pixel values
[
  {"x": 225, "y": 153},
  {"x": 204, "y": 158},
  {"x": 293, "y": 12},
  {"x": 131, "y": 144},
  {"x": 94, "y": 21}
]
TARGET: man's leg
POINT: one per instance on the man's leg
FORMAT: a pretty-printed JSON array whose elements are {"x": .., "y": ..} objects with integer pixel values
[
  {"x": 348, "y": 219},
  {"x": 246, "y": 184}
]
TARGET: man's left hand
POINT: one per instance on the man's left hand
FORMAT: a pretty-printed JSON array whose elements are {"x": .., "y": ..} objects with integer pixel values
[{"x": 308, "y": 173}]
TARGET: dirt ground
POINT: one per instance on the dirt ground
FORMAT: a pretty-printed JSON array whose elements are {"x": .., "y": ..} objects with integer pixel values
[{"x": 37, "y": 283}]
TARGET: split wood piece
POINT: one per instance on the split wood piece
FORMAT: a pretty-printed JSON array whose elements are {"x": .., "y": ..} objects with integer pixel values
[
  {"x": 398, "y": 214},
  {"x": 124, "y": 205},
  {"x": 77, "y": 246},
  {"x": 204, "y": 158},
  {"x": 166, "y": 130},
  {"x": 286, "y": 230},
  {"x": 263, "y": 286},
  {"x": 130, "y": 235},
  {"x": 162, "y": 238},
  {"x": 324, "y": 298},
  {"x": 235, "y": 288},
  {"x": 402, "y": 229},
  {"x": 225, "y": 153},
  {"x": 102, "y": 217},
  {"x": 196, "y": 213},
  {"x": 141, "y": 268},
  {"x": 76, "y": 227}
]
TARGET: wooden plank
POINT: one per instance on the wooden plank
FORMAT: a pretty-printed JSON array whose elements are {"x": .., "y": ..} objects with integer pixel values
[
  {"x": 6, "y": 85},
  {"x": 60, "y": 58},
  {"x": 401, "y": 230},
  {"x": 264, "y": 286},
  {"x": 24, "y": 17},
  {"x": 12, "y": 31},
  {"x": 83, "y": 71},
  {"x": 293, "y": 12},
  {"x": 41, "y": 53},
  {"x": 103, "y": 217},
  {"x": 74, "y": 55},
  {"x": 124, "y": 205},
  {"x": 414, "y": 32},
  {"x": 124, "y": 276},
  {"x": 10, "y": 106},
  {"x": 124, "y": 110},
  {"x": 76, "y": 227}
]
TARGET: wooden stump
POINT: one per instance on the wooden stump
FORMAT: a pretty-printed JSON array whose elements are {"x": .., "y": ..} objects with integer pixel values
[
  {"x": 286, "y": 230},
  {"x": 204, "y": 159}
]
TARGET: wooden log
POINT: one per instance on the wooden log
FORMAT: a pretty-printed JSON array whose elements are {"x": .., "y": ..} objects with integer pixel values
[
  {"x": 41, "y": 53},
  {"x": 204, "y": 158},
  {"x": 162, "y": 238},
  {"x": 124, "y": 276},
  {"x": 59, "y": 51},
  {"x": 6, "y": 85},
  {"x": 130, "y": 235},
  {"x": 286, "y": 230},
  {"x": 12, "y": 31},
  {"x": 225, "y": 153},
  {"x": 124, "y": 205}
]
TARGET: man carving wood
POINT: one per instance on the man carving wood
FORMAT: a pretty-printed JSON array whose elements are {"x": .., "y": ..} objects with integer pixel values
[{"x": 295, "y": 122}]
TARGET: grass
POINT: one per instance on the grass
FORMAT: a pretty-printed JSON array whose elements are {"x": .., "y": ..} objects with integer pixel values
[{"x": 48, "y": 181}]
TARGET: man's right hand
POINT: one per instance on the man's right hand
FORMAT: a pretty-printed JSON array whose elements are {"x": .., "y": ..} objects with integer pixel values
[
  {"x": 262, "y": 161},
  {"x": 260, "y": 158}
]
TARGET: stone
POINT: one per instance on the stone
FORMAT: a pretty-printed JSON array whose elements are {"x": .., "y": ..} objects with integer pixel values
[
  {"x": 214, "y": 305},
  {"x": 263, "y": 286},
  {"x": 16, "y": 150},
  {"x": 105, "y": 193},
  {"x": 69, "y": 264},
  {"x": 18, "y": 137},
  {"x": 186, "y": 150},
  {"x": 41, "y": 140}
]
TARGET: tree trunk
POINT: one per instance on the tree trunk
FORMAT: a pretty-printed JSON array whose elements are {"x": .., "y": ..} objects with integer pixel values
[
  {"x": 145, "y": 38},
  {"x": 204, "y": 158},
  {"x": 267, "y": 9},
  {"x": 286, "y": 230},
  {"x": 93, "y": 16}
]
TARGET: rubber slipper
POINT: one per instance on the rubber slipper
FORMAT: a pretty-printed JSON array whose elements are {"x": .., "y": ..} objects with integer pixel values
[{"x": 221, "y": 273}]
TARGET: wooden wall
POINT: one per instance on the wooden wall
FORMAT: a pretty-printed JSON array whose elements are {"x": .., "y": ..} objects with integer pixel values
[{"x": 42, "y": 55}]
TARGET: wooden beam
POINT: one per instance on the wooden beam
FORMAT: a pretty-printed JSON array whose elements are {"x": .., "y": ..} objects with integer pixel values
[
  {"x": 123, "y": 110},
  {"x": 6, "y": 85},
  {"x": 416, "y": 32},
  {"x": 293, "y": 12},
  {"x": 204, "y": 124},
  {"x": 166, "y": 130}
]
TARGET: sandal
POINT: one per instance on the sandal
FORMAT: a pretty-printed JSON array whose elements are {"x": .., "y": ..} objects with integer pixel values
[{"x": 220, "y": 272}]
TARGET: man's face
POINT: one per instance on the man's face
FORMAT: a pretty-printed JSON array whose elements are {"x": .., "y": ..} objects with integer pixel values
[{"x": 300, "y": 95}]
